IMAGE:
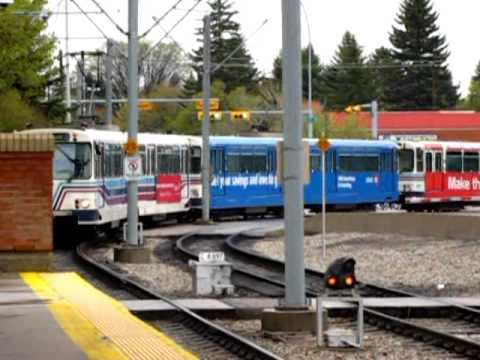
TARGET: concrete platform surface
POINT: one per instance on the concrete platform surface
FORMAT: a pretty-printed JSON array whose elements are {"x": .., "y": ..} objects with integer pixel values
[{"x": 46, "y": 316}]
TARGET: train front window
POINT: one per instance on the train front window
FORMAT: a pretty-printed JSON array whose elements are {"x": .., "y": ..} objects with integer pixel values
[
  {"x": 406, "y": 160},
  {"x": 72, "y": 161}
]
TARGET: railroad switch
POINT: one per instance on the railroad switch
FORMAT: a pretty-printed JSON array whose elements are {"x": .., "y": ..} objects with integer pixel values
[{"x": 212, "y": 274}]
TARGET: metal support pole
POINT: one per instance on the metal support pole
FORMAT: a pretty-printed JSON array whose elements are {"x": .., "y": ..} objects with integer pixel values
[
  {"x": 108, "y": 83},
  {"x": 374, "y": 106},
  {"x": 324, "y": 207},
  {"x": 132, "y": 208},
  {"x": 68, "y": 116},
  {"x": 293, "y": 155},
  {"x": 310, "y": 112},
  {"x": 80, "y": 100},
  {"x": 206, "y": 121}
]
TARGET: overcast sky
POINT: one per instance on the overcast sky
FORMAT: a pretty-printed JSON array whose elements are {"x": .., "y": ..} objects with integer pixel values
[{"x": 370, "y": 20}]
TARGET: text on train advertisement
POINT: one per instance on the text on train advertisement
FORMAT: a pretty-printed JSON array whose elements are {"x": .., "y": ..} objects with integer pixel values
[{"x": 169, "y": 188}]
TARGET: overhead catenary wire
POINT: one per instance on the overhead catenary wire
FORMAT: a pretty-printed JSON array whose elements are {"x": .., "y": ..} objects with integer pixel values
[
  {"x": 90, "y": 19},
  {"x": 242, "y": 43},
  {"x": 109, "y": 17},
  {"x": 171, "y": 29},
  {"x": 158, "y": 20}
]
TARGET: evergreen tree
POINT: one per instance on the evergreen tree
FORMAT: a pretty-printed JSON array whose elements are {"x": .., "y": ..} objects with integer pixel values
[
  {"x": 472, "y": 102},
  {"x": 225, "y": 38},
  {"x": 425, "y": 81},
  {"x": 347, "y": 80},
  {"x": 384, "y": 71},
  {"x": 316, "y": 73}
]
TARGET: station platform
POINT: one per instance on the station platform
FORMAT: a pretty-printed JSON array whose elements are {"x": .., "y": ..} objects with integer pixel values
[{"x": 61, "y": 316}]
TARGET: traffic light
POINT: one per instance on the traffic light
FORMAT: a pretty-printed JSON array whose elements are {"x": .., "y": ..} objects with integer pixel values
[
  {"x": 240, "y": 115},
  {"x": 214, "y": 105},
  {"x": 341, "y": 274},
  {"x": 214, "y": 115},
  {"x": 353, "y": 108}
]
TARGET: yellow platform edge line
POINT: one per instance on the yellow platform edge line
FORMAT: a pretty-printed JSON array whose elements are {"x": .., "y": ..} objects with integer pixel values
[
  {"x": 47, "y": 285},
  {"x": 79, "y": 329}
]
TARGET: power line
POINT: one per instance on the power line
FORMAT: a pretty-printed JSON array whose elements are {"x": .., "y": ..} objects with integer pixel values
[
  {"x": 90, "y": 19},
  {"x": 109, "y": 18},
  {"x": 157, "y": 21},
  {"x": 242, "y": 43},
  {"x": 172, "y": 28}
]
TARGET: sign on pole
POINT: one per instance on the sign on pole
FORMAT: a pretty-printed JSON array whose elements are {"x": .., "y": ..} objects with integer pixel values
[{"x": 133, "y": 167}]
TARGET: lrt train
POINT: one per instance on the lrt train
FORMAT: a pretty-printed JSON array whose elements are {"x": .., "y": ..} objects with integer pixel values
[
  {"x": 89, "y": 184},
  {"x": 439, "y": 175},
  {"x": 360, "y": 174}
]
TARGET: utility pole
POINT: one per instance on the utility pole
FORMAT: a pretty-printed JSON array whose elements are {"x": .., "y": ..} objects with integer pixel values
[
  {"x": 206, "y": 121},
  {"x": 132, "y": 208},
  {"x": 68, "y": 117},
  {"x": 293, "y": 155},
  {"x": 108, "y": 83},
  {"x": 374, "y": 109}
]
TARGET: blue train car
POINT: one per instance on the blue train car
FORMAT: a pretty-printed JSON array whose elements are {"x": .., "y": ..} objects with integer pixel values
[{"x": 360, "y": 173}]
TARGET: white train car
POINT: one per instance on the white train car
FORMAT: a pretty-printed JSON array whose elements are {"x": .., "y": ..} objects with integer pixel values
[
  {"x": 439, "y": 175},
  {"x": 89, "y": 183}
]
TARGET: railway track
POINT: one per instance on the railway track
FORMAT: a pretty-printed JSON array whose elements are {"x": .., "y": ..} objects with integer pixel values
[
  {"x": 189, "y": 329},
  {"x": 265, "y": 275}
]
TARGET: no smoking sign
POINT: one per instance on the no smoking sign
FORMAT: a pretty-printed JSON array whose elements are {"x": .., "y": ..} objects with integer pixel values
[{"x": 133, "y": 167}]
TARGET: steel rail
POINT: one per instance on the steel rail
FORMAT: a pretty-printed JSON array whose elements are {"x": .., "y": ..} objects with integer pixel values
[
  {"x": 376, "y": 318},
  {"x": 224, "y": 338}
]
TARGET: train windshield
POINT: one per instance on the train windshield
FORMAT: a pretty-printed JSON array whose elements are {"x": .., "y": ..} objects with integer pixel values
[
  {"x": 406, "y": 160},
  {"x": 72, "y": 161}
]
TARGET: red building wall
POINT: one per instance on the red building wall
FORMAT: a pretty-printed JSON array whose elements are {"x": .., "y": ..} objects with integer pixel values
[{"x": 26, "y": 218}]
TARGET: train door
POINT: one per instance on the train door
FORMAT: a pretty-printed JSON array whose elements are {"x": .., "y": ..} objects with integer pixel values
[
  {"x": 217, "y": 170},
  {"x": 275, "y": 187},
  {"x": 433, "y": 171}
]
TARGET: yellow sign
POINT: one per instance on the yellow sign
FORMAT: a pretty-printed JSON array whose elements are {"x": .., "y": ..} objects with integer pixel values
[
  {"x": 214, "y": 105},
  {"x": 145, "y": 105},
  {"x": 131, "y": 147},
  {"x": 214, "y": 115},
  {"x": 324, "y": 144}
]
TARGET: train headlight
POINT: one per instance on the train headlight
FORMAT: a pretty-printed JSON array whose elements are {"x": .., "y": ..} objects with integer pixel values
[{"x": 82, "y": 204}]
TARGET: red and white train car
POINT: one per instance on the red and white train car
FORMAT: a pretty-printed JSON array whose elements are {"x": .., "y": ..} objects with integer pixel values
[{"x": 439, "y": 175}]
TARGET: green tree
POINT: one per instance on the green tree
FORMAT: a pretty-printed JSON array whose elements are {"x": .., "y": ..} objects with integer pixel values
[
  {"x": 225, "y": 37},
  {"x": 426, "y": 81},
  {"x": 384, "y": 71},
  {"x": 316, "y": 73},
  {"x": 347, "y": 80},
  {"x": 26, "y": 64},
  {"x": 472, "y": 101}
]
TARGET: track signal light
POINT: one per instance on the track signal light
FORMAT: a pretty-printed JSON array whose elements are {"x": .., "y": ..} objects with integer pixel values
[{"x": 341, "y": 274}]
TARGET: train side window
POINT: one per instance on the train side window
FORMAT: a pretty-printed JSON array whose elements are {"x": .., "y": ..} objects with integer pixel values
[
  {"x": 250, "y": 163},
  {"x": 428, "y": 162},
  {"x": 195, "y": 161},
  {"x": 143, "y": 155},
  {"x": 315, "y": 163},
  {"x": 99, "y": 153},
  {"x": 454, "y": 161},
  {"x": 438, "y": 162},
  {"x": 168, "y": 159},
  {"x": 419, "y": 160},
  {"x": 470, "y": 161},
  {"x": 359, "y": 163},
  {"x": 151, "y": 160}
]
